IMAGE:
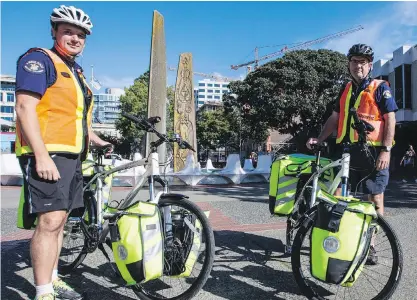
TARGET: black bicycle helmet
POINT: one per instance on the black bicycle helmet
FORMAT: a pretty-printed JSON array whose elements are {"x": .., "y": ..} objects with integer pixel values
[{"x": 361, "y": 50}]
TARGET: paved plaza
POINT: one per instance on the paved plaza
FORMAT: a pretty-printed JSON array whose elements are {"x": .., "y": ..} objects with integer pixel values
[{"x": 249, "y": 262}]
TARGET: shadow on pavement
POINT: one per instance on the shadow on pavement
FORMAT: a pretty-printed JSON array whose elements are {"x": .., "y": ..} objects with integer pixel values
[
  {"x": 402, "y": 195},
  {"x": 242, "y": 268},
  {"x": 15, "y": 258},
  {"x": 99, "y": 283}
]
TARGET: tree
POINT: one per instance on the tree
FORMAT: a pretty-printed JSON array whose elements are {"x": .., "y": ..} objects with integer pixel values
[
  {"x": 293, "y": 94},
  {"x": 135, "y": 102},
  {"x": 213, "y": 130}
]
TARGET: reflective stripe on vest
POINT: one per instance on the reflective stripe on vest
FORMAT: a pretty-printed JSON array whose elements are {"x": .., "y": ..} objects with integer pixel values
[
  {"x": 367, "y": 110},
  {"x": 60, "y": 112}
]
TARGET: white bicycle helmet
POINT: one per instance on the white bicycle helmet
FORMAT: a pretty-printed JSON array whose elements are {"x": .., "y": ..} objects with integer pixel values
[{"x": 71, "y": 15}]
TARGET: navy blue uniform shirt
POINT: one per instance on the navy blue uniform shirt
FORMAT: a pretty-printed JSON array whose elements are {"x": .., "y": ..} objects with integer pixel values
[{"x": 36, "y": 72}]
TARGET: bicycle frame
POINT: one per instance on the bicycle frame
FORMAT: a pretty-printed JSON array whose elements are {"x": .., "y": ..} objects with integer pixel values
[
  {"x": 342, "y": 176},
  {"x": 151, "y": 173}
]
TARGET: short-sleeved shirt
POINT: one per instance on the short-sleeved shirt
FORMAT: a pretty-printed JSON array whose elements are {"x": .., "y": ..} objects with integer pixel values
[
  {"x": 383, "y": 97},
  {"x": 36, "y": 72}
]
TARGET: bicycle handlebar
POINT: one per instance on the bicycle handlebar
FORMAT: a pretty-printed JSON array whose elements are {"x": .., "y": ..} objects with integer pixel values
[
  {"x": 148, "y": 125},
  {"x": 361, "y": 126}
]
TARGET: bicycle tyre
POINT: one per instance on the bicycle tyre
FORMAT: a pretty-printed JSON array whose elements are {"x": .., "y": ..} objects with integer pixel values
[
  {"x": 209, "y": 258},
  {"x": 300, "y": 208},
  {"x": 310, "y": 293},
  {"x": 67, "y": 268}
]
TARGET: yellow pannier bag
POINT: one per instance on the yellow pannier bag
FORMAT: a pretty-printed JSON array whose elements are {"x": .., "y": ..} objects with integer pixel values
[
  {"x": 340, "y": 238},
  {"x": 137, "y": 243},
  {"x": 285, "y": 174}
]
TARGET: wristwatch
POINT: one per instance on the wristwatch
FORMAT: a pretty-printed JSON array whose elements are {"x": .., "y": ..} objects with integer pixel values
[{"x": 386, "y": 148}]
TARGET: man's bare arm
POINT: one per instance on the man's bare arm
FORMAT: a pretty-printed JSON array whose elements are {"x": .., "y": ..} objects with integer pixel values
[
  {"x": 389, "y": 129},
  {"x": 95, "y": 139},
  {"x": 329, "y": 126},
  {"x": 26, "y": 103}
]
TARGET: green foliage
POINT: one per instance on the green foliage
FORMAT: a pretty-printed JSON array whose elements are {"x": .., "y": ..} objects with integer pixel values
[
  {"x": 213, "y": 129},
  {"x": 135, "y": 102},
  {"x": 293, "y": 94}
]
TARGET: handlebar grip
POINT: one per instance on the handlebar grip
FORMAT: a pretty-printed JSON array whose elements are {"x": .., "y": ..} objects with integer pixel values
[
  {"x": 154, "y": 120},
  {"x": 137, "y": 120},
  {"x": 187, "y": 145}
]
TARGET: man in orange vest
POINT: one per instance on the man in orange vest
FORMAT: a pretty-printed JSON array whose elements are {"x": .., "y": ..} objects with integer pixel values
[
  {"x": 53, "y": 131},
  {"x": 375, "y": 104}
]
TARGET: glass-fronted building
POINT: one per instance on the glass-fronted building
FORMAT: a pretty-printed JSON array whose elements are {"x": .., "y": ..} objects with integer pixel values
[
  {"x": 106, "y": 108},
  {"x": 8, "y": 85},
  {"x": 210, "y": 90}
]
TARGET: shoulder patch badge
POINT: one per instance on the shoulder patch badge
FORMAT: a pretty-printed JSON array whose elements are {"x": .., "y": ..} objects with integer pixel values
[
  {"x": 387, "y": 94},
  {"x": 34, "y": 66}
]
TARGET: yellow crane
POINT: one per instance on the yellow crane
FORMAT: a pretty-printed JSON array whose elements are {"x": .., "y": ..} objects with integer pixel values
[{"x": 296, "y": 47}]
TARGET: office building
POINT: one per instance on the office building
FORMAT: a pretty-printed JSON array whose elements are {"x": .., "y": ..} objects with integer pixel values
[
  {"x": 210, "y": 90},
  {"x": 8, "y": 84},
  {"x": 107, "y": 106},
  {"x": 401, "y": 72}
]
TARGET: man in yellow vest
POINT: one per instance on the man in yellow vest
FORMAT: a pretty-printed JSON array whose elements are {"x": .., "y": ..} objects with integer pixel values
[
  {"x": 53, "y": 131},
  {"x": 375, "y": 104}
]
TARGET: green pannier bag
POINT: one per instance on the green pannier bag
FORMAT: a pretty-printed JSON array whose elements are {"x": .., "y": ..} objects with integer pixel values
[
  {"x": 88, "y": 171},
  {"x": 340, "y": 238},
  {"x": 187, "y": 230},
  {"x": 285, "y": 174},
  {"x": 137, "y": 243}
]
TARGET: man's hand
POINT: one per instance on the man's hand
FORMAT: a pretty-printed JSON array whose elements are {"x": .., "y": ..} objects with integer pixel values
[
  {"x": 46, "y": 168},
  {"x": 312, "y": 141},
  {"x": 109, "y": 149},
  {"x": 383, "y": 160}
]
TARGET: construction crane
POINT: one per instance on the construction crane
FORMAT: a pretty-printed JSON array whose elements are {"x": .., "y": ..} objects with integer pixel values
[
  {"x": 296, "y": 47},
  {"x": 219, "y": 78}
]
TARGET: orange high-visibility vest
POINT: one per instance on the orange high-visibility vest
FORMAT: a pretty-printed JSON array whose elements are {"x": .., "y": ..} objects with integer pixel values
[
  {"x": 63, "y": 117},
  {"x": 367, "y": 110}
]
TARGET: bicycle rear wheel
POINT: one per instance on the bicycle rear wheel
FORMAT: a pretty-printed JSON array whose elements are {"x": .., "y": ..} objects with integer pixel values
[
  {"x": 170, "y": 286},
  {"x": 75, "y": 245},
  {"x": 375, "y": 282},
  {"x": 300, "y": 208}
]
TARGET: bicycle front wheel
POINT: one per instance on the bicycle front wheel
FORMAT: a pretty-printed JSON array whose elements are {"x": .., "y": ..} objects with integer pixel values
[
  {"x": 183, "y": 278},
  {"x": 375, "y": 281}
]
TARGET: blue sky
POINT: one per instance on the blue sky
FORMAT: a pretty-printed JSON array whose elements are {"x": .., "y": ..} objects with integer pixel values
[{"x": 218, "y": 34}]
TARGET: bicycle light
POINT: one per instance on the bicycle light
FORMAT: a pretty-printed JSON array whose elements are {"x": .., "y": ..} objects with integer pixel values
[{"x": 331, "y": 244}]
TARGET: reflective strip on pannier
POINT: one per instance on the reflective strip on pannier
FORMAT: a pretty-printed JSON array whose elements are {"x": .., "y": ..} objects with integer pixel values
[
  {"x": 137, "y": 242},
  {"x": 284, "y": 177},
  {"x": 341, "y": 238}
]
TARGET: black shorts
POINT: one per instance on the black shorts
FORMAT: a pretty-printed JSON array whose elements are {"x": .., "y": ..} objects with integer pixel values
[
  {"x": 363, "y": 177},
  {"x": 370, "y": 183},
  {"x": 42, "y": 195}
]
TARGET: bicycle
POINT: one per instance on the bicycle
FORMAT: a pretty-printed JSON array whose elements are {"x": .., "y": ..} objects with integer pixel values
[
  {"x": 94, "y": 226},
  {"x": 304, "y": 216}
]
